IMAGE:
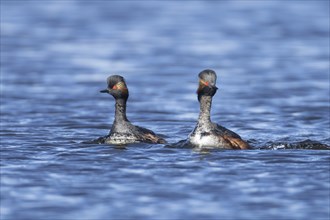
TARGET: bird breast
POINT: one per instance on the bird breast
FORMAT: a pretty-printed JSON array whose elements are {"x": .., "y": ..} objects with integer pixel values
[{"x": 204, "y": 140}]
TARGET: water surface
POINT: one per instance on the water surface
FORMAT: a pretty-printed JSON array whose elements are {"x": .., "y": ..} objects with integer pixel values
[{"x": 272, "y": 60}]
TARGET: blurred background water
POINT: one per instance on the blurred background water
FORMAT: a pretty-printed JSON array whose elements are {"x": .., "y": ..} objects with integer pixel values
[{"x": 272, "y": 60}]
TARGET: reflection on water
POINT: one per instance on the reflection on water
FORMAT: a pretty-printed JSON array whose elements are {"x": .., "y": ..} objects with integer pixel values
[{"x": 272, "y": 60}]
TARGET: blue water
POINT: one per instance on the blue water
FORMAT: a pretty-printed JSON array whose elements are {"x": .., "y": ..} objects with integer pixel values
[{"x": 272, "y": 61}]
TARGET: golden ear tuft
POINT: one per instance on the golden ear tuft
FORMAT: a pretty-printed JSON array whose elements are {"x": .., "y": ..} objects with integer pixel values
[
  {"x": 120, "y": 86},
  {"x": 203, "y": 83}
]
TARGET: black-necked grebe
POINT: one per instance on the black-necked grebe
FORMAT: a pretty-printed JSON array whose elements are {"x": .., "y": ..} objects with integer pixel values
[
  {"x": 122, "y": 131},
  {"x": 207, "y": 134}
]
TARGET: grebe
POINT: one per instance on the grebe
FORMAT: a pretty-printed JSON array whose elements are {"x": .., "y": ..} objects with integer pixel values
[
  {"x": 207, "y": 134},
  {"x": 123, "y": 131}
]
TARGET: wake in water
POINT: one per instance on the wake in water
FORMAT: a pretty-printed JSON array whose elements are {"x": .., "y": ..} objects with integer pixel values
[
  {"x": 306, "y": 144},
  {"x": 271, "y": 145}
]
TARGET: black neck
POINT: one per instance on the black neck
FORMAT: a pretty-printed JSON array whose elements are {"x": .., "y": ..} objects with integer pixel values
[
  {"x": 205, "y": 108},
  {"x": 120, "y": 114}
]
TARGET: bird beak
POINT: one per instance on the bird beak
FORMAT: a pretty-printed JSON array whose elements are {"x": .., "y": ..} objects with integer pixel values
[
  {"x": 105, "y": 91},
  {"x": 213, "y": 87}
]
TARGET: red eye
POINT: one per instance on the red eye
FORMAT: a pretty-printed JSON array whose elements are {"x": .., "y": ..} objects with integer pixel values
[
  {"x": 115, "y": 87},
  {"x": 204, "y": 83}
]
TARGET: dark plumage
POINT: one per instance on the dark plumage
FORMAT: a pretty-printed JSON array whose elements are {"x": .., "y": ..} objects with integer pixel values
[
  {"x": 207, "y": 134},
  {"x": 123, "y": 131}
]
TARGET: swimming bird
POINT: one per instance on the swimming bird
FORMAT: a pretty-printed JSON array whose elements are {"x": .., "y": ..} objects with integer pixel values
[
  {"x": 207, "y": 134},
  {"x": 123, "y": 131}
]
